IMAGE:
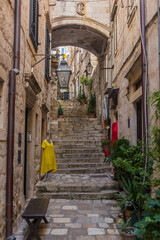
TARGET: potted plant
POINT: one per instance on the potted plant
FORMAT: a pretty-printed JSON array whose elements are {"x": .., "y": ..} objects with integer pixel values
[
  {"x": 148, "y": 227},
  {"x": 92, "y": 105},
  {"x": 60, "y": 111},
  {"x": 82, "y": 97},
  {"x": 128, "y": 232},
  {"x": 106, "y": 145}
]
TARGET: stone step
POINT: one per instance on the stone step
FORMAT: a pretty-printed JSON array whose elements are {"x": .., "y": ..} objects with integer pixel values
[
  {"x": 76, "y": 126},
  {"x": 82, "y": 160},
  {"x": 90, "y": 170},
  {"x": 105, "y": 194},
  {"x": 83, "y": 138},
  {"x": 78, "y": 121},
  {"x": 71, "y": 132},
  {"x": 50, "y": 187},
  {"x": 78, "y": 141},
  {"x": 78, "y": 150},
  {"x": 78, "y": 186},
  {"x": 82, "y": 165},
  {"x": 78, "y": 146},
  {"x": 84, "y": 155},
  {"x": 81, "y": 120}
]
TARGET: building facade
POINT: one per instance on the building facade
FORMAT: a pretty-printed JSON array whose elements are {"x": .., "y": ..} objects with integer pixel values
[
  {"x": 32, "y": 99},
  {"x": 124, "y": 63}
]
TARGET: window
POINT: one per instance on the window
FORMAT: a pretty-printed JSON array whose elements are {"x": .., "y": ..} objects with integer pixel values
[
  {"x": 33, "y": 26},
  {"x": 115, "y": 40},
  {"x": 47, "y": 51},
  {"x": 36, "y": 128}
]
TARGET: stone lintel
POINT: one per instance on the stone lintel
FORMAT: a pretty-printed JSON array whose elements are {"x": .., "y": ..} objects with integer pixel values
[
  {"x": 136, "y": 95},
  {"x": 33, "y": 83},
  {"x": 45, "y": 109},
  {"x": 135, "y": 71},
  {"x": 31, "y": 97}
]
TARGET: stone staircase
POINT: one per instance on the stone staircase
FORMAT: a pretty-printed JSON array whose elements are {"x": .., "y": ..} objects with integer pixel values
[{"x": 82, "y": 172}]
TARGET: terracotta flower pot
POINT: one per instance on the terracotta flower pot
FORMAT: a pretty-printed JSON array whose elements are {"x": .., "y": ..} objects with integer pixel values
[
  {"x": 106, "y": 148},
  {"x": 91, "y": 115},
  {"x": 129, "y": 236},
  {"x": 60, "y": 116},
  {"x": 127, "y": 214},
  {"x": 83, "y": 102}
]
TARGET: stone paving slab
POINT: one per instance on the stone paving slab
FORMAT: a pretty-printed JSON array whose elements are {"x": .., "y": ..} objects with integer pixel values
[{"x": 78, "y": 220}]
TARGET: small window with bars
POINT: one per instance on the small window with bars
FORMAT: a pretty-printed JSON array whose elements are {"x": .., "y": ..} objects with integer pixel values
[
  {"x": 47, "y": 51},
  {"x": 33, "y": 26}
]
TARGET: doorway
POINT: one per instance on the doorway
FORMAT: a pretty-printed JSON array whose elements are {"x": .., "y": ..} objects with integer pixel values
[{"x": 25, "y": 152}]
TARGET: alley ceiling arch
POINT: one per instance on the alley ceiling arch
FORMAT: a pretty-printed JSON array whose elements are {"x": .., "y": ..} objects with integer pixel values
[{"x": 86, "y": 33}]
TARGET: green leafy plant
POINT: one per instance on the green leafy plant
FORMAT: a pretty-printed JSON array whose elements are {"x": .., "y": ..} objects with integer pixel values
[
  {"x": 133, "y": 197},
  {"x": 149, "y": 226},
  {"x": 81, "y": 96},
  {"x": 86, "y": 81},
  {"x": 106, "y": 142},
  {"x": 155, "y": 102},
  {"x": 126, "y": 227},
  {"x": 92, "y": 104},
  {"x": 60, "y": 109},
  {"x": 117, "y": 148}
]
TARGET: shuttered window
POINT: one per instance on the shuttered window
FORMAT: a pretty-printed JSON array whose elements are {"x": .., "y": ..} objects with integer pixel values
[
  {"x": 47, "y": 51},
  {"x": 33, "y": 26}
]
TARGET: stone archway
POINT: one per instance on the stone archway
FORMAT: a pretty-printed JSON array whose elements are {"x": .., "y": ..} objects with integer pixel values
[{"x": 85, "y": 33}]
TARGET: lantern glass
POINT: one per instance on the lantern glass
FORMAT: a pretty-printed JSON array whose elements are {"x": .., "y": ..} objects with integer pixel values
[
  {"x": 89, "y": 68},
  {"x": 63, "y": 74}
]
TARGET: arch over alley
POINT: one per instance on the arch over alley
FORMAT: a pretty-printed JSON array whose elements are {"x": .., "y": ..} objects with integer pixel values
[{"x": 85, "y": 33}]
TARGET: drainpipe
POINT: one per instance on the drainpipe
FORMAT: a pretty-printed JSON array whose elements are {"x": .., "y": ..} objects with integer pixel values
[
  {"x": 144, "y": 76},
  {"x": 158, "y": 37},
  {"x": 11, "y": 119}
]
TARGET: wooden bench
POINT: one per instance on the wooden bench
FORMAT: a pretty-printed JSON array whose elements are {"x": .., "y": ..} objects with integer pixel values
[{"x": 34, "y": 213}]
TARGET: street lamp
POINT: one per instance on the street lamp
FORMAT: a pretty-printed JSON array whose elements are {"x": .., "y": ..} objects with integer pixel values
[
  {"x": 63, "y": 74},
  {"x": 89, "y": 68}
]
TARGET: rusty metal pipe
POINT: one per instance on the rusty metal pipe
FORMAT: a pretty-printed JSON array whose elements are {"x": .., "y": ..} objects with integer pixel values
[
  {"x": 144, "y": 69},
  {"x": 10, "y": 153},
  {"x": 11, "y": 119},
  {"x": 17, "y": 29}
]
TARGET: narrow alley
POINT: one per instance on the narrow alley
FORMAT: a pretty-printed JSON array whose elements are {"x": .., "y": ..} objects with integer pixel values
[{"x": 79, "y": 119}]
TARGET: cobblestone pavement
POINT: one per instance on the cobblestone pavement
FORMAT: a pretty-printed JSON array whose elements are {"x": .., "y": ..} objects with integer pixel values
[{"x": 78, "y": 220}]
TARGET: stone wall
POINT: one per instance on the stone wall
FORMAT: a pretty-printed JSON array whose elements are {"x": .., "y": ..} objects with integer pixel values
[
  {"x": 127, "y": 65},
  {"x": 36, "y": 112}
]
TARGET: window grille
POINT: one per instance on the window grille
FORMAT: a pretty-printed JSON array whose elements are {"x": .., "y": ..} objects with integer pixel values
[
  {"x": 47, "y": 51},
  {"x": 34, "y": 19}
]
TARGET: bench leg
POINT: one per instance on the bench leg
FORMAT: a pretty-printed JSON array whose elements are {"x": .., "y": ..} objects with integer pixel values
[
  {"x": 31, "y": 234},
  {"x": 33, "y": 227}
]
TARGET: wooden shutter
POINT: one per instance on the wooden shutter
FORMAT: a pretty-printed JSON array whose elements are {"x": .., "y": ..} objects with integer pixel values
[
  {"x": 34, "y": 19},
  {"x": 47, "y": 51}
]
